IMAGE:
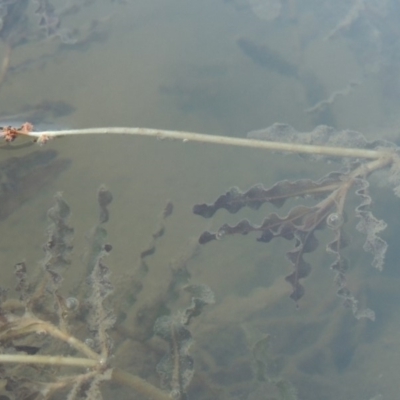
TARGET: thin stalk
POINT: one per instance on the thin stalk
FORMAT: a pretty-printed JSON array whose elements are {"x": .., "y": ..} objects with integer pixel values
[
  {"x": 26, "y": 325},
  {"x": 138, "y": 384},
  {"x": 71, "y": 340},
  {"x": 224, "y": 140},
  {"x": 125, "y": 378},
  {"x": 47, "y": 360}
]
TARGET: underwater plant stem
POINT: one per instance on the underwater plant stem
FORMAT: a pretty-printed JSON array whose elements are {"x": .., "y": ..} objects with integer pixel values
[
  {"x": 71, "y": 340},
  {"x": 122, "y": 377},
  {"x": 224, "y": 140},
  {"x": 26, "y": 325},
  {"x": 360, "y": 172},
  {"x": 384, "y": 161},
  {"x": 139, "y": 385},
  {"x": 48, "y": 360}
]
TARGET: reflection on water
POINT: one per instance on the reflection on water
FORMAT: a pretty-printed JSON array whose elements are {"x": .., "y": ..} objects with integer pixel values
[{"x": 224, "y": 67}]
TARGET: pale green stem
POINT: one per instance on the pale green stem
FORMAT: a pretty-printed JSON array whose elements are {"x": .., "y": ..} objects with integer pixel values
[
  {"x": 198, "y": 137},
  {"x": 135, "y": 382},
  {"x": 43, "y": 326},
  {"x": 26, "y": 324},
  {"x": 47, "y": 360},
  {"x": 139, "y": 384}
]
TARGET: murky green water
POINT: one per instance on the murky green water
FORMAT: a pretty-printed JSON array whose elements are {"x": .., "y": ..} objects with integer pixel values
[{"x": 214, "y": 67}]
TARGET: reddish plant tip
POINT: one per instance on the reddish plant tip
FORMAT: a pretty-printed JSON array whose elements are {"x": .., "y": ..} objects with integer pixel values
[{"x": 10, "y": 133}]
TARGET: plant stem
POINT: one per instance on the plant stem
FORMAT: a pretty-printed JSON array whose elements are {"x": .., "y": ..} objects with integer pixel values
[
  {"x": 122, "y": 377},
  {"x": 27, "y": 324},
  {"x": 71, "y": 340},
  {"x": 48, "y": 360},
  {"x": 224, "y": 140},
  {"x": 139, "y": 384}
]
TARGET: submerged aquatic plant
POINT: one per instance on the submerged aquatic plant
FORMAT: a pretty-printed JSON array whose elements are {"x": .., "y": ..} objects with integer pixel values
[
  {"x": 358, "y": 160},
  {"x": 88, "y": 320},
  {"x": 53, "y": 343},
  {"x": 331, "y": 193}
]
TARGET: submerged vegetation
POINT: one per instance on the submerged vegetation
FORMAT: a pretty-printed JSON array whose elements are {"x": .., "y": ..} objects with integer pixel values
[
  {"x": 48, "y": 335},
  {"x": 302, "y": 221},
  {"x": 158, "y": 332}
]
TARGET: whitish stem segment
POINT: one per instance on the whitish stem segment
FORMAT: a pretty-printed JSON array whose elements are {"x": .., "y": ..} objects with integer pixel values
[
  {"x": 198, "y": 137},
  {"x": 125, "y": 378},
  {"x": 47, "y": 360}
]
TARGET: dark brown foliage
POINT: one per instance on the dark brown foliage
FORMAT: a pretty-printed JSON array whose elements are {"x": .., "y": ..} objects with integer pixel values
[{"x": 302, "y": 221}]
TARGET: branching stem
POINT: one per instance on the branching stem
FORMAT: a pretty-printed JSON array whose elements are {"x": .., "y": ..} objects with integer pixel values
[{"x": 122, "y": 377}]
